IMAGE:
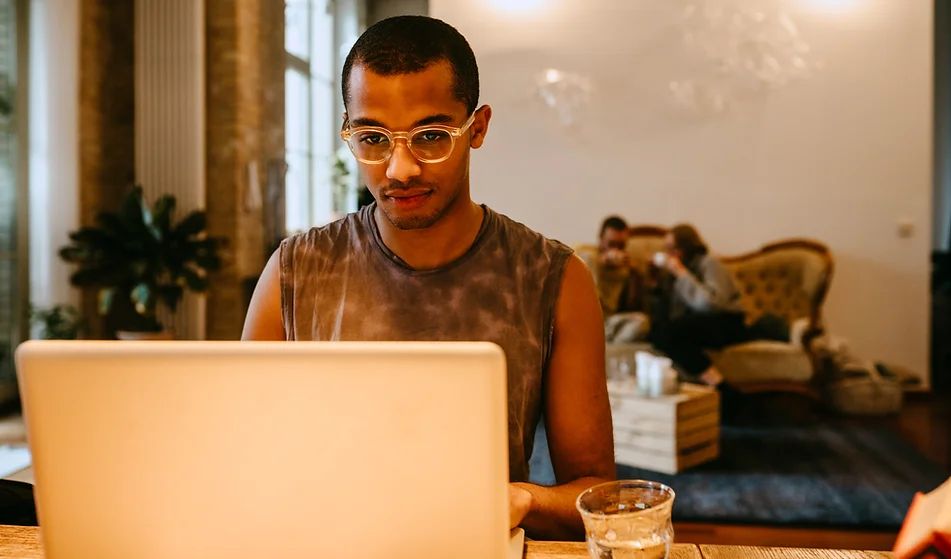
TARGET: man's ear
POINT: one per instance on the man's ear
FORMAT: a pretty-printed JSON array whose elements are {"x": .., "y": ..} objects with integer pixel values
[{"x": 480, "y": 126}]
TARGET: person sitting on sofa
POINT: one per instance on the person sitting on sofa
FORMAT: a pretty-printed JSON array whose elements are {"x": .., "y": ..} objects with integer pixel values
[
  {"x": 620, "y": 286},
  {"x": 695, "y": 305}
]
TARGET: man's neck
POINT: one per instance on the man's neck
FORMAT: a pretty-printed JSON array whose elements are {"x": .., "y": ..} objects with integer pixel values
[{"x": 439, "y": 244}]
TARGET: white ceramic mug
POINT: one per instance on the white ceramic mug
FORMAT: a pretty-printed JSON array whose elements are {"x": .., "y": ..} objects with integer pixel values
[
  {"x": 644, "y": 362},
  {"x": 660, "y": 259}
]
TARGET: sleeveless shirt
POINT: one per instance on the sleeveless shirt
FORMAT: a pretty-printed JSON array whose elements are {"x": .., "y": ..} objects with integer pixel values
[{"x": 341, "y": 282}]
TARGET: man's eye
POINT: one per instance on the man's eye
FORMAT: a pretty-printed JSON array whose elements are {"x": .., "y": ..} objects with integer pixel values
[
  {"x": 431, "y": 137},
  {"x": 373, "y": 139}
]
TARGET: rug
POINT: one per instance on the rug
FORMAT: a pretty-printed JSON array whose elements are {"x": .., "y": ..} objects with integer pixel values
[{"x": 817, "y": 476}]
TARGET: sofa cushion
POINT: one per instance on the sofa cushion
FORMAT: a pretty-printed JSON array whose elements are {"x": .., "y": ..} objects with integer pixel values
[{"x": 763, "y": 361}]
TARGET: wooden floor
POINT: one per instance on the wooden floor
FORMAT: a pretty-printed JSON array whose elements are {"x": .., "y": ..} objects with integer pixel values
[{"x": 925, "y": 422}]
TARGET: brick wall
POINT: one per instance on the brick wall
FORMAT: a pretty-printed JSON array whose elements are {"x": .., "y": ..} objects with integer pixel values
[
  {"x": 106, "y": 116},
  {"x": 245, "y": 133}
]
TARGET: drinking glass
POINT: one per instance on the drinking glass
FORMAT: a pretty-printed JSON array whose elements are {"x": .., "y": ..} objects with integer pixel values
[{"x": 628, "y": 519}]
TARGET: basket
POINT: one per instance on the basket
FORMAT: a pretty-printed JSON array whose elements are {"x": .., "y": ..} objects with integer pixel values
[{"x": 865, "y": 392}]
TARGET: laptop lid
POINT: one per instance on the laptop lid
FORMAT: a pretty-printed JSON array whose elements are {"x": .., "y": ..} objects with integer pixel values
[{"x": 268, "y": 449}]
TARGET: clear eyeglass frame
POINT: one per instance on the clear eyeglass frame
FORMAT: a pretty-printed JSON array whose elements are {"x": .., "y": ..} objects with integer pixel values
[{"x": 347, "y": 134}]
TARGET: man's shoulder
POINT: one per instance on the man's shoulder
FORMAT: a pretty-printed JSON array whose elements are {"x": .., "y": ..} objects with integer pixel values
[
  {"x": 517, "y": 233},
  {"x": 335, "y": 233},
  {"x": 326, "y": 240}
]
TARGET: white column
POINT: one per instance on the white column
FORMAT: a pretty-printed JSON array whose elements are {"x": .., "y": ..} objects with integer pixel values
[{"x": 170, "y": 118}]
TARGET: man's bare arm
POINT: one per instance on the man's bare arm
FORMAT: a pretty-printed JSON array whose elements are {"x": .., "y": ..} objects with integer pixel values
[
  {"x": 577, "y": 412},
  {"x": 264, "y": 322}
]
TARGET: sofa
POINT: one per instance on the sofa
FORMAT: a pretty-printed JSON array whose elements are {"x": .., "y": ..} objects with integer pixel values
[{"x": 788, "y": 279}]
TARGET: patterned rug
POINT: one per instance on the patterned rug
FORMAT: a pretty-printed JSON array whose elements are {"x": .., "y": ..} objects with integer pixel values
[{"x": 829, "y": 477}]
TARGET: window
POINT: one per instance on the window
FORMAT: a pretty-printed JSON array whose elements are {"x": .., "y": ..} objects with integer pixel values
[
  {"x": 13, "y": 290},
  {"x": 311, "y": 125}
]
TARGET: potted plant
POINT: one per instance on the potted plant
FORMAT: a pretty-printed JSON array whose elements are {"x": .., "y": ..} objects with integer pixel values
[
  {"x": 139, "y": 255},
  {"x": 59, "y": 322}
]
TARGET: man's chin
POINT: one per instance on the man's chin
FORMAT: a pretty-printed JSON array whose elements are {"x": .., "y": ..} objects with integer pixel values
[{"x": 409, "y": 222}]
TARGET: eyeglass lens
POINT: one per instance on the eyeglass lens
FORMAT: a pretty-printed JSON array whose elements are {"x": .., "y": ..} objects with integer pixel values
[{"x": 426, "y": 145}]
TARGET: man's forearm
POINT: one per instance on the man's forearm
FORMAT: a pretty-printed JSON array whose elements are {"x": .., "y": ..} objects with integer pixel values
[{"x": 553, "y": 515}]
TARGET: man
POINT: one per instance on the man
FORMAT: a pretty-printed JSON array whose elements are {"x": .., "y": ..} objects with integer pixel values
[
  {"x": 619, "y": 284},
  {"x": 424, "y": 262}
]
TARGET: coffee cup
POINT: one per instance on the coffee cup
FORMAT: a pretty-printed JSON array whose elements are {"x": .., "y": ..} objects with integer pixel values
[{"x": 660, "y": 259}]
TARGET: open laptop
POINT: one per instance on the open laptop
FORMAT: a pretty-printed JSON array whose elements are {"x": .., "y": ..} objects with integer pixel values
[{"x": 258, "y": 449}]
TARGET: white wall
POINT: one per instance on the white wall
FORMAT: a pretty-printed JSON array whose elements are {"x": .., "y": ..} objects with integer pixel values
[
  {"x": 378, "y": 10},
  {"x": 841, "y": 157},
  {"x": 54, "y": 146}
]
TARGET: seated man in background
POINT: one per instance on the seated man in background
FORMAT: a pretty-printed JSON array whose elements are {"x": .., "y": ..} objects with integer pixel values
[
  {"x": 620, "y": 285},
  {"x": 424, "y": 262},
  {"x": 696, "y": 305}
]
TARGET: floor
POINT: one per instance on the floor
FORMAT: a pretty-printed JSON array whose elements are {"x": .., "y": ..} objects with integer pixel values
[{"x": 925, "y": 422}]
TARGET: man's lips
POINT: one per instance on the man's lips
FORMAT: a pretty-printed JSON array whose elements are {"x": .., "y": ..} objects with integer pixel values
[
  {"x": 410, "y": 198},
  {"x": 407, "y": 194}
]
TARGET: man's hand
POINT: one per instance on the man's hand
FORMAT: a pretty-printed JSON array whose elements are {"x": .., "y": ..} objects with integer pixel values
[
  {"x": 520, "y": 502},
  {"x": 615, "y": 258}
]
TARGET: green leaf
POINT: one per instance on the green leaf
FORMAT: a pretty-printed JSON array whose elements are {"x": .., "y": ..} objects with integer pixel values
[
  {"x": 162, "y": 215},
  {"x": 91, "y": 236},
  {"x": 106, "y": 298},
  {"x": 133, "y": 210},
  {"x": 193, "y": 224},
  {"x": 87, "y": 277},
  {"x": 74, "y": 254},
  {"x": 209, "y": 262},
  {"x": 142, "y": 298},
  {"x": 171, "y": 295},
  {"x": 195, "y": 280},
  {"x": 111, "y": 225}
]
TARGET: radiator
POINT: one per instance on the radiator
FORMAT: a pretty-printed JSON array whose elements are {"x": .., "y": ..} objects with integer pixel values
[{"x": 170, "y": 120}]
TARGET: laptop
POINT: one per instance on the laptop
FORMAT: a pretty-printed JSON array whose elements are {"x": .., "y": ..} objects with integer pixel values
[{"x": 268, "y": 449}]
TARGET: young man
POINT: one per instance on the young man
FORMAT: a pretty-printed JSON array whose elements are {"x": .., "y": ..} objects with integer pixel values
[
  {"x": 424, "y": 262},
  {"x": 616, "y": 280},
  {"x": 619, "y": 284}
]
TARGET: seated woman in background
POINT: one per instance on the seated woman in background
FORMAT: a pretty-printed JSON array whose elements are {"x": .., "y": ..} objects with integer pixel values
[{"x": 696, "y": 305}]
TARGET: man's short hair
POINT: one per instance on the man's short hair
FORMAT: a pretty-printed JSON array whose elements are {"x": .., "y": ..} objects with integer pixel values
[
  {"x": 410, "y": 44},
  {"x": 614, "y": 222}
]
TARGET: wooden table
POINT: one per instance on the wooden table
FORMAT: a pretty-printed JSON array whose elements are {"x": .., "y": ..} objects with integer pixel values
[
  {"x": 24, "y": 543},
  {"x": 664, "y": 434}
]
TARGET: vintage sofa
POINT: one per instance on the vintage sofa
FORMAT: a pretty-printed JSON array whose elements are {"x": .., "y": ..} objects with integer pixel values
[{"x": 788, "y": 278}]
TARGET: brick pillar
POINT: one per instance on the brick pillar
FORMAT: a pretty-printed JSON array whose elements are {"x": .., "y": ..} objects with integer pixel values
[
  {"x": 106, "y": 117},
  {"x": 245, "y": 133}
]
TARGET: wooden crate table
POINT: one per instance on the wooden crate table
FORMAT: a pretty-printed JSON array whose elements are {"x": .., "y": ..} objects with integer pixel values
[{"x": 666, "y": 434}]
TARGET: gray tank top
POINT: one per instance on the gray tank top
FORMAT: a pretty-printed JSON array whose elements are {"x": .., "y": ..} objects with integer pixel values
[{"x": 340, "y": 282}]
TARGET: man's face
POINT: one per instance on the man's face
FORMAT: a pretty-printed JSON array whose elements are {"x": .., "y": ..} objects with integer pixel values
[
  {"x": 613, "y": 239},
  {"x": 412, "y": 194}
]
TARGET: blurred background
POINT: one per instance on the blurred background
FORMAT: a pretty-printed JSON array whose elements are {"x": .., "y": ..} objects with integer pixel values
[{"x": 754, "y": 120}]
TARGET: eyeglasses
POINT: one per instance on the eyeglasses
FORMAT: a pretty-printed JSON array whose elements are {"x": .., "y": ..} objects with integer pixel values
[{"x": 429, "y": 144}]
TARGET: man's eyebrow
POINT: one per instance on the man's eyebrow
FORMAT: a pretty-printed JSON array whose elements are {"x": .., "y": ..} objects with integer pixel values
[
  {"x": 432, "y": 119},
  {"x": 366, "y": 122}
]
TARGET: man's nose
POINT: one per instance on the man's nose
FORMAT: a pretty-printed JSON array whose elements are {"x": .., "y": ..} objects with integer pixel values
[{"x": 402, "y": 164}]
